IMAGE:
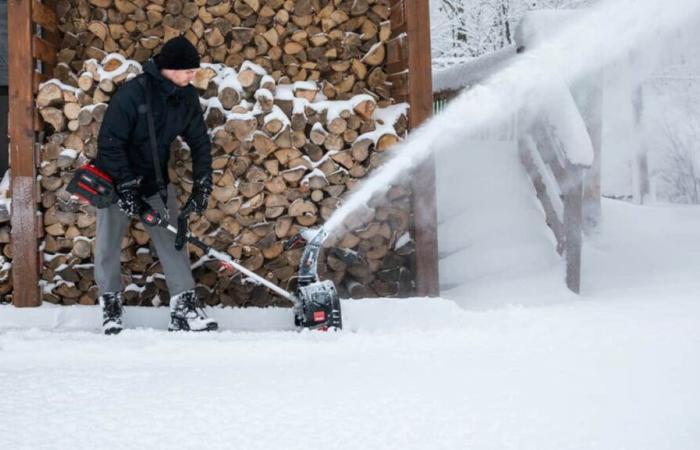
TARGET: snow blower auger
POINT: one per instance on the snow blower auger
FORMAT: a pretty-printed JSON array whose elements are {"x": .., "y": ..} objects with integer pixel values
[{"x": 316, "y": 302}]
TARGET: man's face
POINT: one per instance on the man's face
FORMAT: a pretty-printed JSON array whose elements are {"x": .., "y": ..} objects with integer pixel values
[{"x": 180, "y": 77}]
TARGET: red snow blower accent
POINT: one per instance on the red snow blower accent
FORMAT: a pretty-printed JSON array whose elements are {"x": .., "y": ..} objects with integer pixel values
[
  {"x": 92, "y": 186},
  {"x": 226, "y": 266}
]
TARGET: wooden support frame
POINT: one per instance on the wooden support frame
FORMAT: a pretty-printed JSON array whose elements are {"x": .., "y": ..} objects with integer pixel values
[
  {"x": 573, "y": 227},
  {"x": 420, "y": 83},
  {"x": 25, "y": 251},
  {"x": 562, "y": 199},
  {"x": 588, "y": 94},
  {"x": 410, "y": 71}
]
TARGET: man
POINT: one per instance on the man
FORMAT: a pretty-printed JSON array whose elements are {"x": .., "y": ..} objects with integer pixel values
[{"x": 126, "y": 154}]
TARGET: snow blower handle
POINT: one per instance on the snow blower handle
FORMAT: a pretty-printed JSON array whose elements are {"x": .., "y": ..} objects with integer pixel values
[{"x": 225, "y": 259}]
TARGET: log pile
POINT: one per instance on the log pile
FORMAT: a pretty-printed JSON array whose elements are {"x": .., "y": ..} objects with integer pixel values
[
  {"x": 283, "y": 158},
  {"x": 340, "y": 44},
  {"x": 5, "y": 249}
]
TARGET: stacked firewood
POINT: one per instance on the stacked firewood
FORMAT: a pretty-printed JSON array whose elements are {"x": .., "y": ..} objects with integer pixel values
[
  {"x": 5, "y": 249},
  {"x": 284, "y": 156},
  {"x": 339, "y": 44}
]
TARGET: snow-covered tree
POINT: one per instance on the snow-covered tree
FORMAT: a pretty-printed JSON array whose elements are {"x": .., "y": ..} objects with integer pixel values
[{"x": 464, "y": 29}]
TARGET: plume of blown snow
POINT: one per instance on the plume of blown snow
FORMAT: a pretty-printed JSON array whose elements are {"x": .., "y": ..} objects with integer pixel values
[{"x": 595, "y": 37}]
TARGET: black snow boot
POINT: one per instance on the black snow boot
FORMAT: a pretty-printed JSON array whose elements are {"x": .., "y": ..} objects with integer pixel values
[
  {"x": 111, "y": 304},
  {"x": 187, "y": 315}
]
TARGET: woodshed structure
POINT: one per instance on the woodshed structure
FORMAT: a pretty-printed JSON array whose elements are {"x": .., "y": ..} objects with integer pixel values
[{"x": 303, "y": 100}]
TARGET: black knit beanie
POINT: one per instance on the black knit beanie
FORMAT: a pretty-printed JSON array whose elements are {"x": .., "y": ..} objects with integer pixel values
[{"x": 178, "y": 54}]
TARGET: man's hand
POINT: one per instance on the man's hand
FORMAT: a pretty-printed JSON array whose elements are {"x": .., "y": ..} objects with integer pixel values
[
  {"x": 130, "y": 201},
  {"x": 199, "y": 199}
]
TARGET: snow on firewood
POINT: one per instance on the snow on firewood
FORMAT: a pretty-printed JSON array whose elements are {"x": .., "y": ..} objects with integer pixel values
[
  {"x": 112, "y": 66},
  {"x": 5, "y": 195},
  {"x": 277, "y": 114},
  {"x": 391, "y": 114}
]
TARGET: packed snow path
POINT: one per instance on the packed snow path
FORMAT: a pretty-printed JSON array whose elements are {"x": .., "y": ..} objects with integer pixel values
[{"x": 616, "y": 368}]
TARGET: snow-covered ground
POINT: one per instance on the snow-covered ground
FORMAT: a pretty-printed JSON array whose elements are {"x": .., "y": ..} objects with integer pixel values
[{"x": 617, "y": 368}]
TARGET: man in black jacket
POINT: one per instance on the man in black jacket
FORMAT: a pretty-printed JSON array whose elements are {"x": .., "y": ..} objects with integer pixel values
[{"x": 125, "y": 152}]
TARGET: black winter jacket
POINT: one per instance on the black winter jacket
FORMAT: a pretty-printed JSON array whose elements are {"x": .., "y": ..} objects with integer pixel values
[{"x": 123, "y": 146}]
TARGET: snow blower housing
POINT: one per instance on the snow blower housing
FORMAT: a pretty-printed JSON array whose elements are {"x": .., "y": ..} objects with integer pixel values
[{"x": 318, "y": 305}]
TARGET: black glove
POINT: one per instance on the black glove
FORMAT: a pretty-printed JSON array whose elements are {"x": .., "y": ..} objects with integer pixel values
[
  {"x": 199, "y": 199},
  {"x": 130, "y": 201},
  {"x": 197, "y": 203},
  {"x": 181, "y": 236}
]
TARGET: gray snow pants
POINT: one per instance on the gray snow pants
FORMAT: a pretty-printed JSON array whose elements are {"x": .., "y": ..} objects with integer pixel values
[{"x": 111, "y": 226}]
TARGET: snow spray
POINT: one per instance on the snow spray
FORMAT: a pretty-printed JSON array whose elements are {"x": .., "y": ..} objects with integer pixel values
[{"x": 593, "y": 38}]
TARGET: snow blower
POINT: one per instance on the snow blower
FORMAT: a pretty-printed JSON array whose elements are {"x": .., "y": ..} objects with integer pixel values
[{"x": 316, "y": 302}]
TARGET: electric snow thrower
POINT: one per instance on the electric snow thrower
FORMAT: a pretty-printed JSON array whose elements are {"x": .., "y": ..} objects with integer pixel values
[{"x": 316, "y": 302}]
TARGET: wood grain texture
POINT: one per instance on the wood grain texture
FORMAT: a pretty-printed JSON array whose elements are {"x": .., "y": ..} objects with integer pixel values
[
  {"x": 420, "y": 95},
  {"x": 25, "y": 269},
  {"x": 44, "y": 51},
  {"x": 44, "y": 15}
]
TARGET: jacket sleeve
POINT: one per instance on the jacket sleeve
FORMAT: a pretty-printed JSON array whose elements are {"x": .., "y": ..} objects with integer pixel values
[
  {"x": 118, "y": 123},
  {"x": 196, "y": 137}
]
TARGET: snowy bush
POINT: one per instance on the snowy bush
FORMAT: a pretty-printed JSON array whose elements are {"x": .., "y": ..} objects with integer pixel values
[{"x": 677, "y": 176}]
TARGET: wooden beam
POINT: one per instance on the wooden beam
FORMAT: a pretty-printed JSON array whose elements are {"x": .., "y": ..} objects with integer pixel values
[
  {"x": 25, "y": 261},
  {"x": 44, "y": 15},
  {"x": 416, "y": 15},
  {"x": 594, "y": 122},
  {"x": 573, "y": 227},
  {"x": 52, "y": 35},
  {"x": 398, "y": 16},
  {"x": 396, "y": 54},
  {"x": 38, "y": 78},
  {"x": 44, "y": 51},
  {"x": 399, "y": 84},
  {"x": 527, "y": 156}
]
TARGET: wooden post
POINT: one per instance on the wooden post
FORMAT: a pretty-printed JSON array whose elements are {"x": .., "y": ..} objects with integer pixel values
[
  {"x": 420, "y": 97},
  {"x": 589, "y": 98},
  {"x": 573, "y": 226},
  {"x": 25, "y": 260},
  {"x": 642, "y": 165}
]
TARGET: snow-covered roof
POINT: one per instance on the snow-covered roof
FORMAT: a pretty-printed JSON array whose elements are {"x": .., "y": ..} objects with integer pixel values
[{"x": 471, "y": 72}]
